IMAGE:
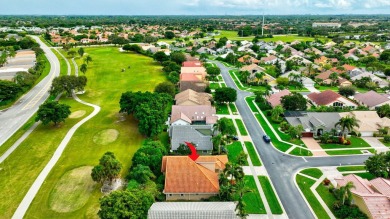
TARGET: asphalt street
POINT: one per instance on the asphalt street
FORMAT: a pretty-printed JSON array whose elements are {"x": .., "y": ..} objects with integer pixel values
[
  {"x": 282, "y": 167},
  {"x": 16, "y": 116}
]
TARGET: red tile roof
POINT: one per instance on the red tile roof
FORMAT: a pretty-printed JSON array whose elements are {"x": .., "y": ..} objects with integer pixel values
[
  {"x": 192, "y": 64},
  {"x": 324, "y": 98},
  {"x": 183, "y": 175}
]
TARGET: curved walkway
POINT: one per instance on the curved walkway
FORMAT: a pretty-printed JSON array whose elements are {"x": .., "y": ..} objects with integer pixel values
[
  {"x": 29, "y": 197},
  {"x": 76, "y": 69}
]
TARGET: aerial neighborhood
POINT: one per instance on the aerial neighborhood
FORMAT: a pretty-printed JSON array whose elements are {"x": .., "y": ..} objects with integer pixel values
[{"x": 165, "y": 117}]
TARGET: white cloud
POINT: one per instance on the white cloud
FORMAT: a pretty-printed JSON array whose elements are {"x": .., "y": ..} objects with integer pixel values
[{"x": 377, "y": 4}]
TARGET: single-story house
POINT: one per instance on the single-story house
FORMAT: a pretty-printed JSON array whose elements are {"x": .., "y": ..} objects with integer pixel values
[
  {"x": 274, "y": 99},
  {"x": 253, "y": 69},
  {"x": 372, "y": 99},
  {"x": 186, "y": 179},
  {"x": 344, "y": 82},
  {"x": 369, "y": 122},
  {"x": 269, "y": 60},
  {"x": 199, "y": 135},
  {"x": 379, "y": 81},
  {"x": 178, "y": 210},
  {"x": 192, "y": 64},
  {"x": 372, "y": 197},
  {"x": 330, "y": 98},
  {"x": 194, "y": 82},
  {"x": 192, "y": 98},
  {"x": 314, "y": 123},
  {"x": 248, "y": 59},
  {"x": 189, "y": 114}
]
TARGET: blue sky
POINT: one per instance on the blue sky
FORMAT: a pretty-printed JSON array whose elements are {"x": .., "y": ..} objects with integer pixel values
[{"x": 193, "y": 7}]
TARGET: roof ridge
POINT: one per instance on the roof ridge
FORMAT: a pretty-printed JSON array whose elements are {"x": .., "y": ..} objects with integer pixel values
[{"x": 203, "y": 169}]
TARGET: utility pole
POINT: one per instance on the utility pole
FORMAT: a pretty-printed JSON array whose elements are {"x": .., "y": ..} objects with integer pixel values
[{"x": 262, "y": 26}]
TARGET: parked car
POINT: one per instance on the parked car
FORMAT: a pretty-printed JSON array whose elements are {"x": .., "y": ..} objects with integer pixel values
[
  {"x": 235, "y": 138},
  {"x": 266, "y": 138}
]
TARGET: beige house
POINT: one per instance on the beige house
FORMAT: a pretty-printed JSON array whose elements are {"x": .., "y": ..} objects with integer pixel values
[
  {"x": 253, "y": 69},
  {"x": 369, "y": 122},
  {"x": 192, "y": 98},
  {"x": 372, "y": 197},
  {"x": 372, "y": 99},
  {"x": 186, "y": 179}
]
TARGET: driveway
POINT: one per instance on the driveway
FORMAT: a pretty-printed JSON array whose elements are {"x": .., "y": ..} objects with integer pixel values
[
  {"x": 312, "y": 89},
  {"x": 313, "y": 145},
  {"x": 375, "y": 143},
  {"x": 282, "y": 167}
]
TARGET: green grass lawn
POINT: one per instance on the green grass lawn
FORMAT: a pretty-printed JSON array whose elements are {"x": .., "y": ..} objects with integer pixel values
[
  {"x": 323, "y": 88},
  {"x": 326, "y": 195},
  {"x": 235, "y": 79},
  {"x": 105, "y": 85},
  {"x": 313, "y": 172},
  {"x": 214, "y": 86},
  {"x": 295, "y": 89},
  {"x": 254, "y": 204},
  {"x": 241, "y": 127},
  {"x": 270, "y": 195},
  {"x": 282, "y": 135},
  {"x": 233, "y": 108},
  {"x": 355, "y": 143},
  {"x": 301, "y": 152},
  {"x": 350, "y": 168},
  {"x": 304, "y": 185},
  {"x": 385, "y": 143},
  {"x": 252, "y": 153},
  {"x": 347, "y": 152},
  {"x": 63, "y": 65},
  {"x": 367, "y": 176},
  {"x": 234, "y": 35},
  {"x": 222, "y": 109},
  {"x": 223, "y": 85},
  {"x": 22, "y": 167},
  {"x": 233, "y": 151}
]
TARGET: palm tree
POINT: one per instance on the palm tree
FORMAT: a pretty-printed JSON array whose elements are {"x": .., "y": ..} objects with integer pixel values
[
  {"x": 345, "y": 193},
  {"x": 241, "y": 190},
  {"x": 259, "y": 76},
  {"x": 83, "y": 68},
  {"x": 276, "y": 112},
  {"x": 88, "y": 59},
  {"x": 347, "y": 123},
  {"x": 334, "y": 76},
  {"x": 234, "y": 171},
  {"x": 217, "y": 142}
]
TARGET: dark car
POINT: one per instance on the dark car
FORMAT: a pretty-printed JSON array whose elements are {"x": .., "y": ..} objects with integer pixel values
[
  {"x": 235, "y": 138},
  {"x": 266, "y": 138}
]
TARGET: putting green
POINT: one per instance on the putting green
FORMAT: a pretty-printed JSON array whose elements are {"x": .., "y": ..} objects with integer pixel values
[
  {"x": 72, "y": 191},
  {"x": 77, "y": 114},
  {"x": 106, "y": 136}
]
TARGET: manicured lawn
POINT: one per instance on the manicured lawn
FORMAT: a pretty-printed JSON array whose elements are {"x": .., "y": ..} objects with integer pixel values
[
  {"x": 326, "y": 195},
  {"x": 241, "y": 127},
  {"x": 313, "y": 172},
  {"x": 323, "y": 88},
  {"x": 295, "y": 89},
  {"x": 355, "y": 143},
  {"x": 252, "y": 153},
  {"x": 222, "y": 109},
  {"x": 105, "y": 85},
  {"x": 233, "y": 151},
  {"x": 385, "y": 143},
  {"x": 254, "y": 204},
  {"x": 234, "y": 35},
  {"x": 301, "y": 152},
  {"x": 63, "y": 65},
  {"x": 304, "y": 185},
  {"x": 214, "y": 86},
  {"x": 347, "y": 152},
  {"x": 367, "y": 176},
  {"x": 223, "y": 85},
  {"x": 233, "y": 108},
  {"x": 270, "y": 195},
  {"x": 22, "y": 167},
  {"x": 235, "y": 79},
  {"x": 350, "y": 168}
]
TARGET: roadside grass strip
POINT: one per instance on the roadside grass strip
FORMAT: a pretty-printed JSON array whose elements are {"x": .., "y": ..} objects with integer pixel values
[
  {"x": 274, "y": 139},
  {"x": 253, "y": 154},
  {"x": 254, "y": 204},
  {"x": 241, "y": 127},
  {"x": 270, "y": 195},
  {"x": 233, "y": 108},
  {"x": 351, "y": 168},
  {"x": 222, "y": 109},
  {"x": 304, "y": 185},
  {"x": 238, "y": 83},
  {"x": 234, "y": 150},
  {"x": 313, "y": 172}
]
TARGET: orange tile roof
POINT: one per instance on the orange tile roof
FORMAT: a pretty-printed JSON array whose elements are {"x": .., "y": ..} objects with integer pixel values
[
  {"x": 189, "y": 77},
  {"x": 183, "y": 175}
]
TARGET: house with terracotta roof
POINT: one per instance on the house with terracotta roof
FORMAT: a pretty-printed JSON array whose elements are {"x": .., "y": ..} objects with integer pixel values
[
  {"x": 248, "y": 59},
  {"x": 194, "y": 70},
  {"x": 186, "y": 179},
  {"x": 372, "y": 99},
  {"x": 330, "y": 98},
  {"x": 253, "y": 69},
  {"x": 274, "y": 99},
  {"x": 192, "y": 64},
  {"x": 192, "y": 98},
  {"x": 269, "y": 60},
  {"x": 369, "y": 122},
  {"x": 372, "y": 197}
]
